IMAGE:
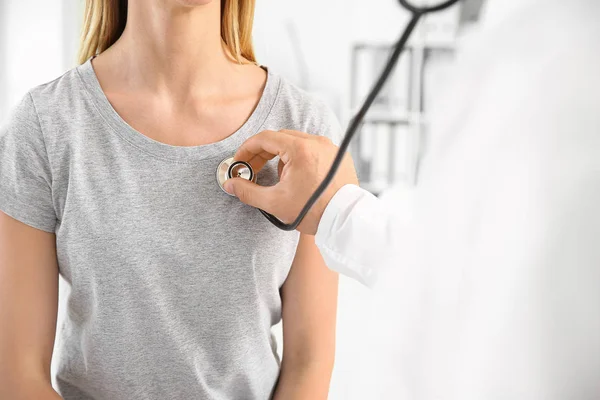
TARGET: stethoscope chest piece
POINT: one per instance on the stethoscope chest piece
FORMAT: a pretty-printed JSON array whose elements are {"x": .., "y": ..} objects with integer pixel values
[{"x": 234, "y": 169}]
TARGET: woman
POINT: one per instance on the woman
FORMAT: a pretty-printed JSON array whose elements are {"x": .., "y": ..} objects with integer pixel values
[{"x": 107, "y": 176}]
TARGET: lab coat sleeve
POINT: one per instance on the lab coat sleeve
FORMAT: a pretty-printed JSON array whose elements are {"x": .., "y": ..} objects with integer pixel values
[
  {"x": 357, "y": 234},
  {"x": 570, "y": 284}
]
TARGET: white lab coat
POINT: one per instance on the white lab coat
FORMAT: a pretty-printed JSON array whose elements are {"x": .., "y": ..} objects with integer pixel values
[{"x": 492, "y": 290}]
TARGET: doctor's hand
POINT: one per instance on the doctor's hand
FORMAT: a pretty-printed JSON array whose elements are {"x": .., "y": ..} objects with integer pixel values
[{"x": 304, "y": 162}]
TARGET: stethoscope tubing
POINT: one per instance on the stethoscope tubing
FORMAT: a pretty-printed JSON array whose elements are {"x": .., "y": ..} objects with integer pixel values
[{"x": 356, "y": 122}]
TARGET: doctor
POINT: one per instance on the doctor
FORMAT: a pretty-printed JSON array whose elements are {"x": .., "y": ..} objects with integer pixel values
[{"x": 495, "y": 283}]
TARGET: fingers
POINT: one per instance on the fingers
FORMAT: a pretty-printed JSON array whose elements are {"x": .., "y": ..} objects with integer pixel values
[
  {"x": 267, "y": 145},
  {"x": 260, "y": 149},
  {"x": 260, "y": 160},
  {"x": 250, "y": 193},
  {"x": 299, "y": 134}
]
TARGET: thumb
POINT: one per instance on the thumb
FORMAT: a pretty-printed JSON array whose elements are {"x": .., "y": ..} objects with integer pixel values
[{"x": 248, "y": 192}]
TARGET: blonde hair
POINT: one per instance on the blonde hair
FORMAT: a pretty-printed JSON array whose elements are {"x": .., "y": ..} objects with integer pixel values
[{"x": 105, "y": 22}]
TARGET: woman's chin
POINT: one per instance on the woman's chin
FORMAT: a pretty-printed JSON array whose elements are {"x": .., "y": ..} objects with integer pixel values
[{"x": 193, "y": 3}]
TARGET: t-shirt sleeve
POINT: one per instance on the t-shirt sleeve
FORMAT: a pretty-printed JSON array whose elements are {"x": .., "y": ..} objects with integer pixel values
[
  {"x": 25, "y": 174},
  {"x": 330, "y": 126},
  {"x": 322, "y": 120}
]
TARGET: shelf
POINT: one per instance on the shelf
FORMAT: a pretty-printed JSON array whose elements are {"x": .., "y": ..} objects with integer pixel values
[
  {"x": 385, "y": 120},
  {"x": 389, "y": 118},
  {"x": 382, "y": 117},
  {"x": 406, "y": 112},
  {"x": 438, "y": 45}
]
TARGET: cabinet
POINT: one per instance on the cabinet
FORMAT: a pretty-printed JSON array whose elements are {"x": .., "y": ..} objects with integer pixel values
[{"x": 388, "y": 147}]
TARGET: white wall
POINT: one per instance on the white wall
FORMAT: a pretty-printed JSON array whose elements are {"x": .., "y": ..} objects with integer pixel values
[
  {"x": 323, "y": 33},
  {"x": 38, "y": 42},
  {"x": 33, "y": 51}
]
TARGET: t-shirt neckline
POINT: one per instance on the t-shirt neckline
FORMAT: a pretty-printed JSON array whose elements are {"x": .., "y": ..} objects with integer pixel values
[{"x": 179, "y": 153}]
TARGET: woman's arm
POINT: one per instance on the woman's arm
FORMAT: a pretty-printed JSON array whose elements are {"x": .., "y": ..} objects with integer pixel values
[
  {"x": 28, "y": 308},
  {"x": 309, "y": 320}
]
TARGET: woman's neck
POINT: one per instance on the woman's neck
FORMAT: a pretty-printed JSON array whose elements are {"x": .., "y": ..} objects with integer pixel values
[{"x": 174, "y": 48}]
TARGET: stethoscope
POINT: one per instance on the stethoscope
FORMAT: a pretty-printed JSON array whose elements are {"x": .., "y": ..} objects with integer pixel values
[{"x": 229, "y": 168}]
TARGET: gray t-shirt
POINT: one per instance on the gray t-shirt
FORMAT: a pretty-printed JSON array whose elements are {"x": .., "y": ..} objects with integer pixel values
[{"x": 174, "y": 284}]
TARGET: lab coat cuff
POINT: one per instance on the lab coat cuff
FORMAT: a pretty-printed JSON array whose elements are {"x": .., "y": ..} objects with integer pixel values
[
  {"x": 345, "y": 198},
  {"x": 327, "y": 239}
]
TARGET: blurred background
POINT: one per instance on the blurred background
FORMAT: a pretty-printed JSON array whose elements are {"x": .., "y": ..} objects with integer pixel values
[{"x": 333, "y": 48}]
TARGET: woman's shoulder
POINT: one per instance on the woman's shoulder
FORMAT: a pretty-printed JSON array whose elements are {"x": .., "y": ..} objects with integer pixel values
[
  {"x": 53, "y": 105},
  {"x": 42, "y": 121},
  {"x": 300, "y": 109},
  {"x": 59, "y": 92},
  {"x": 37, "y": 104}
]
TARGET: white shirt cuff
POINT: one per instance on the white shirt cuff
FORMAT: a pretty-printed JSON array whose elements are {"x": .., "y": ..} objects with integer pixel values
[{"x": 336, "y": 247}]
